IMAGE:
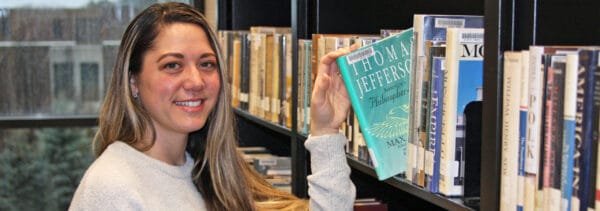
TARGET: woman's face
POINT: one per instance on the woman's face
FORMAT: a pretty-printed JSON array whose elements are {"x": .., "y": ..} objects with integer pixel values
[{"x": 179, "y": 81}]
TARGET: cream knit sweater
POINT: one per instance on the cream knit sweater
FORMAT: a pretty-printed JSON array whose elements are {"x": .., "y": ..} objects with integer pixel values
[{"x": 123, "y": 178}]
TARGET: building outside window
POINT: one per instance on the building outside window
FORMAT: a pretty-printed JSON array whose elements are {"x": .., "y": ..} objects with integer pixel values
[{"x": 55, "y": 62}]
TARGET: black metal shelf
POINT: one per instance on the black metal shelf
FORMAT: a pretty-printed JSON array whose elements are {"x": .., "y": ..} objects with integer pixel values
[
  {"x": 406, "y": 186},
  {"x": 402, "y": 184},
  {"x": 35, "y": 121}
]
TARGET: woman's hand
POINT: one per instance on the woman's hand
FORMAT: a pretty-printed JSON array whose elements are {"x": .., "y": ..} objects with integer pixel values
[{"x": 329, "y": 103}]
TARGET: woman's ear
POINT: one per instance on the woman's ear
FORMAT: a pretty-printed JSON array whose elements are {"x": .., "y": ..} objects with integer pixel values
[{"x": 135, "y": 93}]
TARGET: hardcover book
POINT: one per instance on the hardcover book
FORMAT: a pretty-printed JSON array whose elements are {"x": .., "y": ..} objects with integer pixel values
[
  {"x": 586, "y": 130},
  {"x": 553, "y": 127},
  {"x": 464, "y": 80},
  {"x": 570, "y": 101},
  {"x": 432, "y": 154},
  {"x": 377, "y": 78},
  {"x": 524, "y": 93},
  {"x": 510, "y": 129}
]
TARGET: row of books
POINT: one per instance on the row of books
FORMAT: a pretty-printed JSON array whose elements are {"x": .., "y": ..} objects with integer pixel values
[
  {"x": 413, "y": 126},
  {"x": 277, "y": 170},
  {"x": 424, "y": 77},
  {"x": 259, "y": 63},
  {"x": 369, "y": 204},
  {"x": 550, "y": 128},
  {"x": 447, "y": 78}
]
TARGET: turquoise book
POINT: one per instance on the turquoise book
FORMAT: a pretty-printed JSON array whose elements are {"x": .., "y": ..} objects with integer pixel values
[{"x": 377, "y": 78}]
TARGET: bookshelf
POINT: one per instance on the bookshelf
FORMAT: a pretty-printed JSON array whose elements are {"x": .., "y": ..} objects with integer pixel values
[
  {"x": 509, "y": 25},
  {"x": 512, "y": 25},
  {"x": 307, "y": 17}
]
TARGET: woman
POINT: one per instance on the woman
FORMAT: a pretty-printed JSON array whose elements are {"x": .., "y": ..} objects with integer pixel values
[{"x": 167, "y": 92}]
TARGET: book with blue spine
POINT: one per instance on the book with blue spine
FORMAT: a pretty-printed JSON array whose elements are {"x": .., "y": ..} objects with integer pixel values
[
  {"x": 588, "y": 108},
  {"x": 377, "y": 78},
  {"x": 435, "y": 121},
  {"x": 570, "y": 101}
]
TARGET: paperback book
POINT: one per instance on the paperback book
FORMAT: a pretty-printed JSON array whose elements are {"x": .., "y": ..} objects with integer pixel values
[{"x": 377, "y": 77}]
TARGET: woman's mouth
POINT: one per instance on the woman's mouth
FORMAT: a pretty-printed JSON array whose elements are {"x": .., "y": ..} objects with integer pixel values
[{"x": 193, "y": 103}]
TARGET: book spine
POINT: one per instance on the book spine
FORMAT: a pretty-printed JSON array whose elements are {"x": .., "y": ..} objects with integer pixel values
[
  {"x": 570, "y": 98},
  {"x": 434, "y": 145},
  {"x": 413, "y": 136},
  {"x": 595, "y": 67},
  {"x": 287, "y": 103},
  {"x": 588, "y": 60},
  {"x": 554, "y": 122},
  {"x": 245, "y": 72},
  {"x": 534, "y": 127},
  {"x": 236, "y": 72},
  {"x": 267, "y": 85},
  {"x": 276, "y": 72},
  {"x": 281, "y": 86},
  {"x": 301, "y": 91},
  {"x": 523, "y": 96},
  {"x": 307, "y": 87},
  {"x": 510, "y": 130}
]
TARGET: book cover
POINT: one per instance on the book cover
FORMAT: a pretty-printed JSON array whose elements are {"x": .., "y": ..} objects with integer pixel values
[
  {"x": 511, "y": 89},
  {"x": 464, "y": 80},
  {"x": 377, "y": 78}
]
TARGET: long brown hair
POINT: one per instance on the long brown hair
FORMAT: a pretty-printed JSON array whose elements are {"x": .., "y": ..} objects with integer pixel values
[{"x": 225, "y": 181}]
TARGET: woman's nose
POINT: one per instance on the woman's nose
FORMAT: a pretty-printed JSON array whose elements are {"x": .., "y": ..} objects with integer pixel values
[{"x": 194, "y": 80}]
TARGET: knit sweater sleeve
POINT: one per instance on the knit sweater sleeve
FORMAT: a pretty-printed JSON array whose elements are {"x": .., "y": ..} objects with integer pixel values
[{"x": 329, "y": 184}]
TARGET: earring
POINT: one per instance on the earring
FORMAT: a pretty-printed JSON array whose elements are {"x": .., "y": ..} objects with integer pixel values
[{"x": 135, "y": 95}]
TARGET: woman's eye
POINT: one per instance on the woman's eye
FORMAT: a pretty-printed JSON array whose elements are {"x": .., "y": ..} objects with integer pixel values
[
  {"x": 208, "y": 65},
  {"x": 171, "y": 66}
]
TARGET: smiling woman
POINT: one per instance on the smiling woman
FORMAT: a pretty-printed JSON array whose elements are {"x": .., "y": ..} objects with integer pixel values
[
  {"x": 168, "y": 94},
  {"x": 55, "y": 69},
  {"x": 178, "y": 85}
]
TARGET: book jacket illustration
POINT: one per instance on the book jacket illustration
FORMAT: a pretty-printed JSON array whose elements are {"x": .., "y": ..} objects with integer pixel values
[{"x": 377, "y": 77}]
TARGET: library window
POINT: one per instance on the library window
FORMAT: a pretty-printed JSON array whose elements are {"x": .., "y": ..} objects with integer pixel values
[
  {"x": 57, "y": 58},
  {"x": 90, "y": 82}
]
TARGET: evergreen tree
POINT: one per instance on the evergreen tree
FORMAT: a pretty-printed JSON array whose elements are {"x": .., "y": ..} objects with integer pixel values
[
  {"x": 40, "y": 170},
  {"x": 67, "y": 153},
  {"x": 22, "y": 174}
]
